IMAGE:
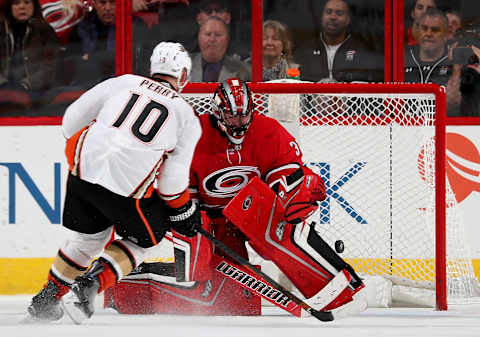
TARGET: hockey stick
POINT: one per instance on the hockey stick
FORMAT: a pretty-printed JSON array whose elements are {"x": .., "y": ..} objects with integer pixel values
[{"x": 324, "y": 316}]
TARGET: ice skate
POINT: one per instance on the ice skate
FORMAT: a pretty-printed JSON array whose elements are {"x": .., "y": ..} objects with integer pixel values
[
  {"x": 79, "y": 302},
  {"x": 45, "y": 306}
]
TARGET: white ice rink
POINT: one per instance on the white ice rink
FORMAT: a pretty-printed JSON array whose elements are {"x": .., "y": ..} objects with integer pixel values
[{"x": 371, "y": 323}]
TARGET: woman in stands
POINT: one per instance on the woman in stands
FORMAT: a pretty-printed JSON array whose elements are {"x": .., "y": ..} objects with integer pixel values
[
  {"x": 277, "y": 51},
  {"x": 28, "y": 48}
]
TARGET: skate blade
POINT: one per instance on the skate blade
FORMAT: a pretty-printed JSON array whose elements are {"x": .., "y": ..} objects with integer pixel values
[
  {"x": 76, "y": 314},
  {"x": 29, "y": 319}
]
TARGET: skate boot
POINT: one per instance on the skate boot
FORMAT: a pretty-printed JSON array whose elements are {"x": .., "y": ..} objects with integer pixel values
[
  {"x": 79, "y": 302},
  {"x": 45, "y": 305}
]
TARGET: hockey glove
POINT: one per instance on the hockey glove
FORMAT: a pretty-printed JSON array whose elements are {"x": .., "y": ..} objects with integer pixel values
[
  {"x": 316, "y": 186},
  {"x": 306, "y": 200},
  {"x": 186, "y": 219}
]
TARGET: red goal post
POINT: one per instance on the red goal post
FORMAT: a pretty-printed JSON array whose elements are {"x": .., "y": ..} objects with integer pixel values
[{"x": 389, "y": 105}]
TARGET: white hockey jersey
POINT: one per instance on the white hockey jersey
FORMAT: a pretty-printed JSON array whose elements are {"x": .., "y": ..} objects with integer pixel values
[{"x": 138, "y": 130}]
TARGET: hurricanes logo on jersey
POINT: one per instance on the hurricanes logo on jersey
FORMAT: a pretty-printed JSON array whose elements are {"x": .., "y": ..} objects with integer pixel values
[{"x": 227, "y": 182}]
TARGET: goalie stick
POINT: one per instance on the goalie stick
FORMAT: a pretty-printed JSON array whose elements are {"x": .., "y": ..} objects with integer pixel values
[{"x": 324, "y": 316}]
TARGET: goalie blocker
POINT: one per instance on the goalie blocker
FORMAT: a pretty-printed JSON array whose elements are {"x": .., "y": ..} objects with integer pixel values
[{"x": 307, "y": 260}]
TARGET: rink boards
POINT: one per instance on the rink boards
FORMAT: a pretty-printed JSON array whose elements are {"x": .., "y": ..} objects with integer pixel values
[{"x": 33, "y": 173}]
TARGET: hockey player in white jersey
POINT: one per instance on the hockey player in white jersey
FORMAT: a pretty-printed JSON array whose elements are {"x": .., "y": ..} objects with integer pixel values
[{"x": 124, "y": 136}]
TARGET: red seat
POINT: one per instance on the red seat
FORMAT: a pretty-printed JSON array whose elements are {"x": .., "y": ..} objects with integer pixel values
[
  {"x": 14, "y": 100},
  {"x": 67, "y": 96}
]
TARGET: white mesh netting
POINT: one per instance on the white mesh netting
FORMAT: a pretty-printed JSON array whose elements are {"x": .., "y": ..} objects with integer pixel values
[{"x": 376, "y": 154}]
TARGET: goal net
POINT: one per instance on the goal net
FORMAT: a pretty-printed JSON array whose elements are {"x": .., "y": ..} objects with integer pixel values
[{"x": 388, "y": 202}]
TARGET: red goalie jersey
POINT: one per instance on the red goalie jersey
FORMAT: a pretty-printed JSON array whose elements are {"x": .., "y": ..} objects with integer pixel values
[{"x": 220, "y": 169}]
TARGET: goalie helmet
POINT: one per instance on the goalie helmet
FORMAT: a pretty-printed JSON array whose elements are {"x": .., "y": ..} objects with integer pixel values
[
  {"x": 170, "y": 58},
  {"x": 233, "y": 107}
]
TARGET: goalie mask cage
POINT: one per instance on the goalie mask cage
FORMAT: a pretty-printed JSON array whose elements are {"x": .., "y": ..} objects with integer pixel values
[{"x": 381, "y": 150}]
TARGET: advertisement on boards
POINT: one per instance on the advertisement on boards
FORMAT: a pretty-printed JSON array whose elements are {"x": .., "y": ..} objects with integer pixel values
[
  {"x": 463, "y": 172},
  {"x": 33, "y": 173}
]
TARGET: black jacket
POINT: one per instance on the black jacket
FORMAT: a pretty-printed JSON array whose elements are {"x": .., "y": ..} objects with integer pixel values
[
  {"x": 352, "y": 62},
  {"x": 39, "y": 53},
  {"x": 470, "y": 89},
  {"x": 97, "y": 40},
  {"x": 417, "y": 71}
]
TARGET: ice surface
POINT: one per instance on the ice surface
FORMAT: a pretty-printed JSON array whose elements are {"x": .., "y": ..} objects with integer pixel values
[{"x": 372, "y": 323}]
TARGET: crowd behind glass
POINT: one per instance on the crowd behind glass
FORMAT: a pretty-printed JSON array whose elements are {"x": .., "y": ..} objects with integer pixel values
[{"x": 51, "y": 51}]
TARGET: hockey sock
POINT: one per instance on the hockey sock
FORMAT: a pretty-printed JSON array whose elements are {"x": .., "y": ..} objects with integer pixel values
[
  {"x": 63, "y": 287},
  {"x": 107, "y": 277}
]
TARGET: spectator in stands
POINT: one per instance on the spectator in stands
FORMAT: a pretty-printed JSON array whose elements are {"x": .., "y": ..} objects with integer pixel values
[
  {"x": 239, "y": 29},
  {"x": 469, "y": 85},
  {"x": 277, "y": 51},
  {"x": 419, "y": 8},
  {"x": 216, "y": 8},
  {"x": 172, "y": 21},
  {"x": 180, "y": 21},
  {"x": 431, "y": 62},
  {"x": 143, "y": 5},
  {"x": 454, "y": 24},
  {"x": 465, "y": 55},
  {"x": 336, "y": 53},
  {"x": 91, "y": 45},
  {"x": 428, "y": 62},
  {"x": 28, "y": 48},
  {"x": 212, "y": 64}
]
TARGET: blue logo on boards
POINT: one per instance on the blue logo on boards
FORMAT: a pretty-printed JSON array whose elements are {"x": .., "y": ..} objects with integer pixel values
[
  {"x": 332, "y": 189},
  {"x": 17, "y": 170},
  {"x": 53, "y": 212}
]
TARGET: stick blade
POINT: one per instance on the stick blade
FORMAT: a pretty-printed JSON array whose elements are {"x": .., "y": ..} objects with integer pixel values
[{"x": 324, "y": 316}]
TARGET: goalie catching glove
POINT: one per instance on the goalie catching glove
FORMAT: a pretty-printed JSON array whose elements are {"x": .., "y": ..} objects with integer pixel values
[
  {"x": 299, "y": 189},
  {"x": 186, "y": 219}
]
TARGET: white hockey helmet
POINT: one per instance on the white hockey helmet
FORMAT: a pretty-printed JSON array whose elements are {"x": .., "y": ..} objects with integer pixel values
[{"x": 171, "y": 58}]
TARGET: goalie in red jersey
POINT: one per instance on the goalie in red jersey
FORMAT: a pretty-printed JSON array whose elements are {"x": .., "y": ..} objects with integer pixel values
[
  {"x": 242, "y": 154},
  {"x": 238, "y": 145}
]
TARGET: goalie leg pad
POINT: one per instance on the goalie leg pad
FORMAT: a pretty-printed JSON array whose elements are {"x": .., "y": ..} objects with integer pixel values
[
  {"x": 255, "y": 284},
  {"x": 330, "y": 292},
  {"x": 193, "y": 255},
  {"x": 297, "y": 250},
  {"x": 155, "y": 290}
]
